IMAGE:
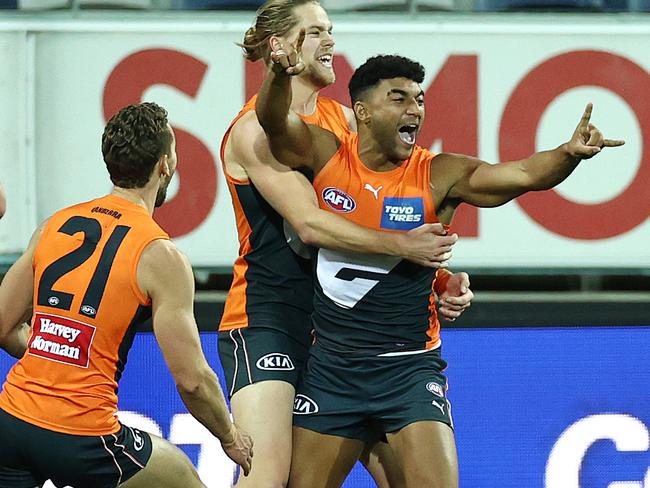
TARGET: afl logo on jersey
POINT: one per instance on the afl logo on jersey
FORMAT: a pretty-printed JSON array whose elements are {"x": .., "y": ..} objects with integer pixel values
[
  {"x": 338, "y": 200},
  {"x": 436, "y": 389},
  {"x": 88, "y": 311}
]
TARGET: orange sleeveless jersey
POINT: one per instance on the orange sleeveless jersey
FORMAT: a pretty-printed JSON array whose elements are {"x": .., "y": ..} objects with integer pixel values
[
  {"x": 370, "y": 302},
  {"x": 87, "y": 305},
  {"x": 271, "y": 286}
]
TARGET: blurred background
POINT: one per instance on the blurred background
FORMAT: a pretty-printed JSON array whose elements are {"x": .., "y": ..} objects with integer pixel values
[{"x": 548, "y": 370}]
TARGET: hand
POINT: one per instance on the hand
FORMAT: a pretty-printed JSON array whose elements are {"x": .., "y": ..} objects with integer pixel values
[
  {"x": 587, "y": 140},
  {"x": 287, "y": 58},
  {"x": 428, "y": 245},
  {"x": 240, "y": 449},
  {"x": 456, "y": 298}
]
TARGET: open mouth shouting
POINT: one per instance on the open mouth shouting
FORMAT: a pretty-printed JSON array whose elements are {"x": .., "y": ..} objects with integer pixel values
[
  {"x": 325, "y": 60},
  {"x": 408, "y": 133}
]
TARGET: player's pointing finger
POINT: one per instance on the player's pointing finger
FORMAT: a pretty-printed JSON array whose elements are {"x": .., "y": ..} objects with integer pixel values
[
  {"x": 613, "y": 142},
  {"x": 300, "y": 40},
  {"x": 586, "y": 116}
]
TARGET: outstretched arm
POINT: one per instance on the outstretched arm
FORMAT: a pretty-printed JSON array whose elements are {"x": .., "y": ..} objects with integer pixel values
[
  {"x": 165, "y": 275},
  {"x": 486, "y": 185},
  {"x": 293, "y": 142}
]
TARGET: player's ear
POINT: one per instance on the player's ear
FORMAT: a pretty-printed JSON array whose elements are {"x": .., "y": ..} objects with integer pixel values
[
  {"x": 275, "y": 43},
  {"x": 163, "y": 166},
  {"x": 361, "y": 112}
]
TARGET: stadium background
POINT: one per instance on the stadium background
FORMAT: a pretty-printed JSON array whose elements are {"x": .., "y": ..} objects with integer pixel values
[{"x": 548, "y": 372}]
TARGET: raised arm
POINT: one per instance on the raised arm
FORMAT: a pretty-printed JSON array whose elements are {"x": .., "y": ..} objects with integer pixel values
[
  {"x": 293, "y": 197},
  {"x": 486, "y": 185},
  {"x": 16, "y": 295},
  {"x": 164, "y": 274},
  {"x": 293, "y": 142}
]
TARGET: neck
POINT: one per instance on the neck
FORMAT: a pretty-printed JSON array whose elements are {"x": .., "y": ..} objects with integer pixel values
[
  {"x": 304, "y": 95},
  {"x": 140, "y": 196},
  {"x": 372, "y": 155}
]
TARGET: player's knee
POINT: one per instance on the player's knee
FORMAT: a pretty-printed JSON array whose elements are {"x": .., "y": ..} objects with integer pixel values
[{"x": 432, "y": 479}]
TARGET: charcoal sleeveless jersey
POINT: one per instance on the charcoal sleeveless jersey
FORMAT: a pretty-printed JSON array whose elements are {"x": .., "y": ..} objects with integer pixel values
[
  {"x": 272, "y": 287},
  {"x": 374, "y": 304},
  {"x": 87, "y": 306}
]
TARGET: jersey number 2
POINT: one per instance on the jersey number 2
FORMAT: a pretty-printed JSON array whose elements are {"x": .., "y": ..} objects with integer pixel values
[{"x": 92, "y": 231}]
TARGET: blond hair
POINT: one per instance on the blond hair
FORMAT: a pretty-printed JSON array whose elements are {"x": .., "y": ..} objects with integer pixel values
[{"x": 274, "y": 18}]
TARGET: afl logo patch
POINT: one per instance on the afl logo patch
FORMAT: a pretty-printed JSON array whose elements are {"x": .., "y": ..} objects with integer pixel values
[
  {"x": 88, "y": 311},
  {"x": 436, "y": 389},
  {"x": 338, "y": 200}
]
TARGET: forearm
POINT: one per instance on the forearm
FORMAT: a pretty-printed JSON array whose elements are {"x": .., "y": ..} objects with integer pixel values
[
  {"x": 15, "y": 342},
  {"x": 273, "y": 102},
  {"x": 546, "y": 169},
  {"x": 207, "y": 404},
  {"x": 329, "y": 231}
]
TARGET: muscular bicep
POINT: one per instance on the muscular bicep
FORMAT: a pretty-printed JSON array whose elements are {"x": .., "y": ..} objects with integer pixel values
[
  {"x": 288, "y": 191},
  {"x": 294, "y": 146},
  {"x": 483, "y": 184},
  {"x": 166, "y": 276},
  {"x": 249, "y": 144}
]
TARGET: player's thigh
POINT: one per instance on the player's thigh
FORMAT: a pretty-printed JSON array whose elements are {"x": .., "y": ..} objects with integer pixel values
[
  {"x": 264, "y": 411},
  {"x": 320, "y": 460},
  {"x": 15, "y": 472},
  {"x": 426, "y": 450},
  {"x": 382, "y": 464},
  {"x": 168, "y": 467}
]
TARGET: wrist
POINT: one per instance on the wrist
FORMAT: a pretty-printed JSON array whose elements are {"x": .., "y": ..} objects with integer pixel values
[
  {"x": 565, "y": 149},
  {"x": 229, "y": 437},
  {"x": 440, "y": 283},
  {"x": 395, "y": 244}
]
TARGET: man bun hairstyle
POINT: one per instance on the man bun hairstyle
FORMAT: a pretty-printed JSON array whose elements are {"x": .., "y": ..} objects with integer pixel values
[
  {"x": 274, "y": 18},
  {"x": 383, "y": 67},
  {"x": 133, "y": 142}
]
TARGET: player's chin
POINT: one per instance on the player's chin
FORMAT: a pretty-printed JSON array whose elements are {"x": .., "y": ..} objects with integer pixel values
[
  {"x": 403, "y": 152},
  {"x": 325, "y": 75}
]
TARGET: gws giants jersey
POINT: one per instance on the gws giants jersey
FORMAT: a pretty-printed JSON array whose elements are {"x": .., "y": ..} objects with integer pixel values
[
  {"x": 87, "y": 307},
  {"x": 375, "y": 304},
  {"x": 271, "y": 287}
]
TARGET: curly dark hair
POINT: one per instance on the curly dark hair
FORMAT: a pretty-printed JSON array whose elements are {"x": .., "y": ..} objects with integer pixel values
[
  {"x": 133, "y": 141},
  {"x": 383, "y": 67}
]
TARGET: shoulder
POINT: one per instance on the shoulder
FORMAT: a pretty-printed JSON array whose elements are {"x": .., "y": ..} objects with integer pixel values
[
  {"x": 459, "y": 162},
  {"x": 162, "y": 264},
  {"x": 348, "y": 113},
  {"x": 246, "y": 135},
  {"x": 163, "y": 255}
]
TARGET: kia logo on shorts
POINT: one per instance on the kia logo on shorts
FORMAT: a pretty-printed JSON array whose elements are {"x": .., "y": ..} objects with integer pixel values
[
  {"x": 138, "y": 441},
  {"x": 303, "y": 405},
  {"x": 338, "y": 200},
  {"x": 275, "y": 361}
]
